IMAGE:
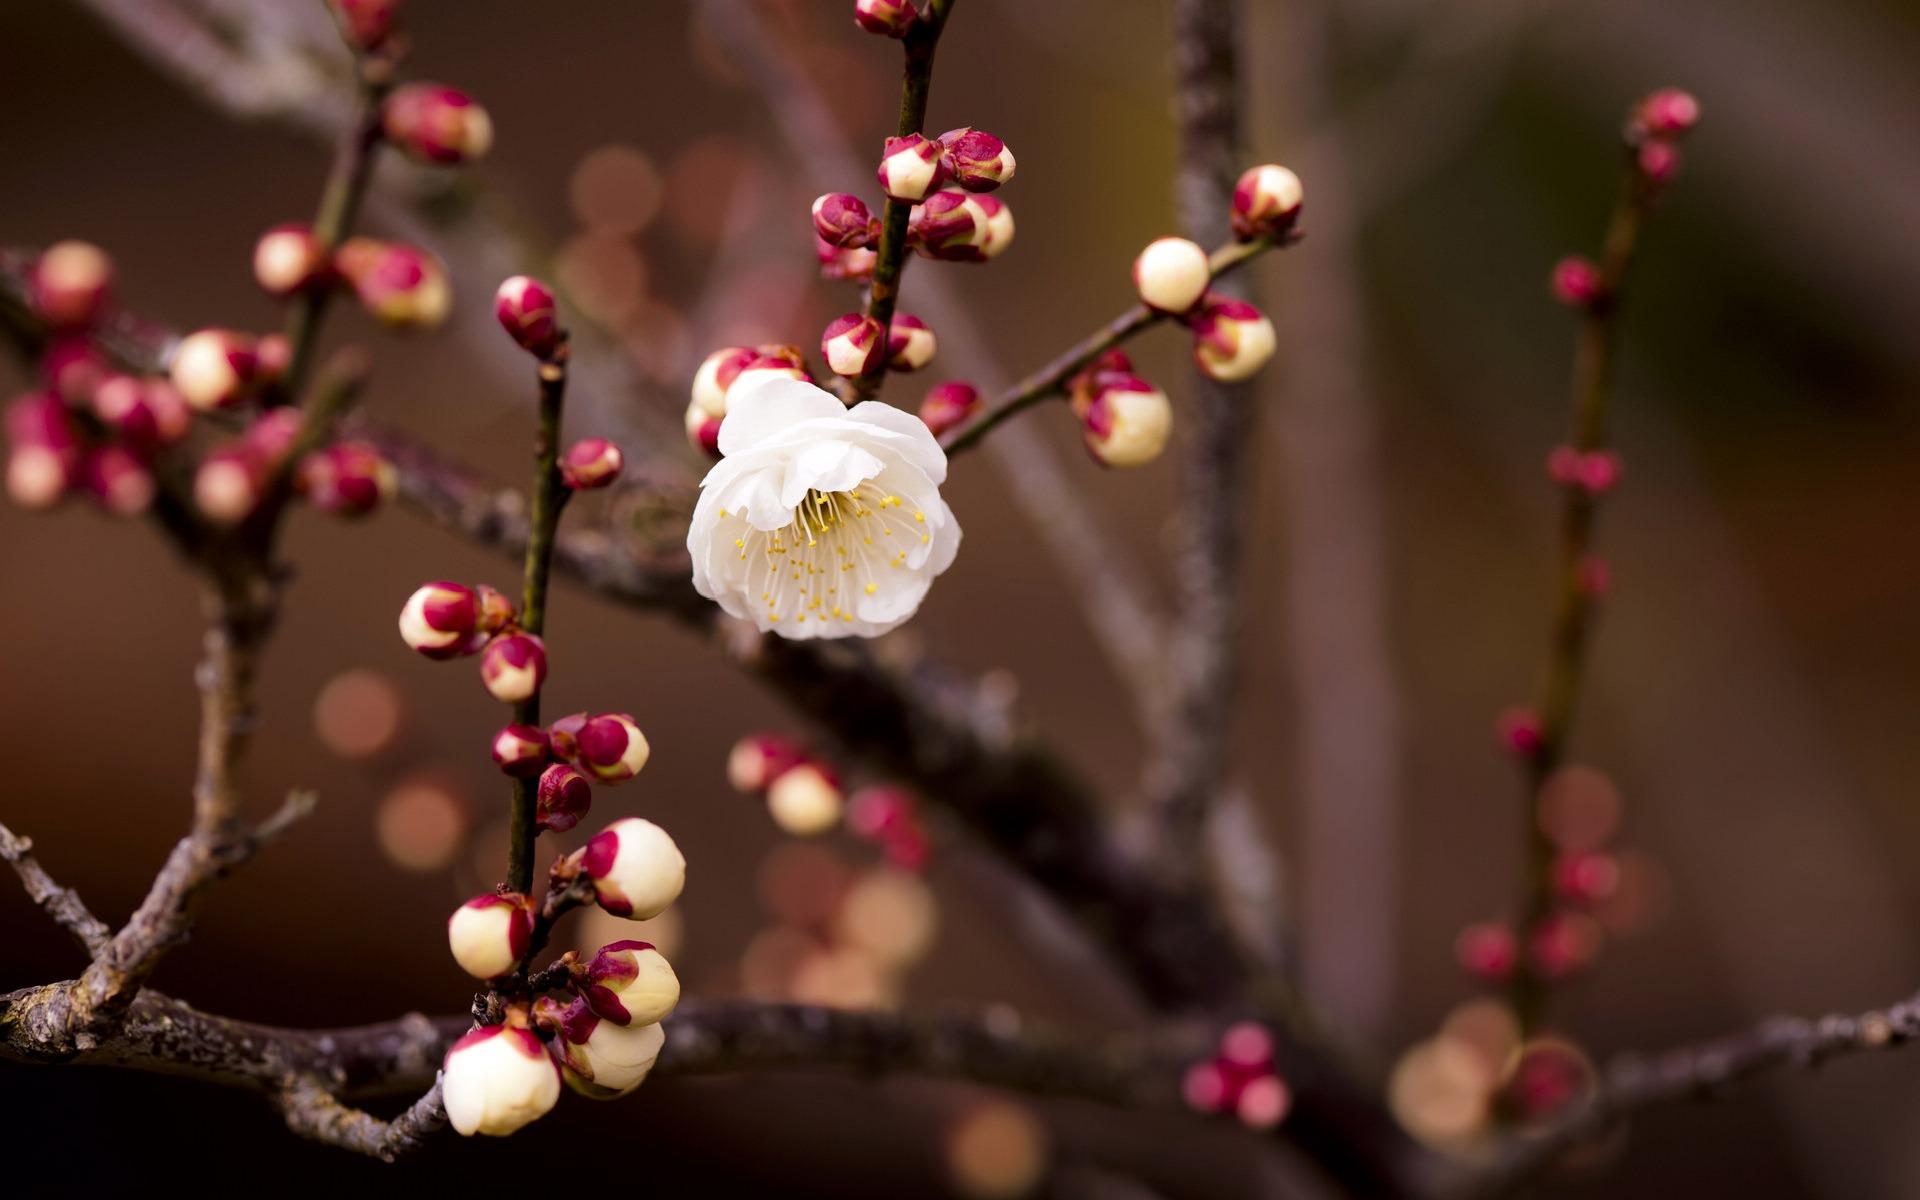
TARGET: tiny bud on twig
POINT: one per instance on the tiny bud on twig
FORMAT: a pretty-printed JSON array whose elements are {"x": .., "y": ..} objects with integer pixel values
[
  {"x": 403, "y": 287},
  {"x": 1266, "y": 202},
  {"x": 610, "y": 747},
  {"x": 948, "y": 406},
  {"x": 289, "y": 259},
  {"x": 1171, "y": 275},
  {"x": 1125, "y": 421},
  {"x": 910, "y": 168},
  {"x": 888, "y": 18},
  {"x": 844, "y": 222},
  {"x": 436, "y": 124},
  {"x": 497, "y": 1079},
  {"x": 911, "y": 344},
  {"x": 526, "y": 309},
  {"x": 629, "y": 983},
  {"x": 521, "y": 750},
  {"x": 975, "y": 159},
  {"x": 71, "y": 285},
  {"x": 1231, "y": 338},
  {"x": 591, "y": 463},
  {"x": 563, "y": 797},
  {"x": 513, "y": 666},
  {"x": 440, "y": 620},
  {"x": 489, "y": 934},
  {"x": 804, "y": 800},
  {"x": 636, "y": 869},
  {"x": 1576, "y": 282},
  {"x": 214, "y": 368},
  {"x": 852, "y": 344}
]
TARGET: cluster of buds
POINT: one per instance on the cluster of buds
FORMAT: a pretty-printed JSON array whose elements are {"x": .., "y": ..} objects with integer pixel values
[
  {"x": 949, "y": 406},
  {"x": 450, "y": 620},
  {"x": 1240, "y": 1079},
  {"x": 717, "y": 375},
  {"x": 801, "y": 790},
  {"x": 97, "y": 430},
  {"x": 887, "y": 817},
  {"x": 1124, "y": 420},
  {"x": 1654, "y": 130},
  {"x": 1594, "y": 472},
  {"x": 853, "y": 344}
]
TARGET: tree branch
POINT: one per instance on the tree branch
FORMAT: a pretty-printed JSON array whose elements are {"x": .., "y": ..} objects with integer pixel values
[{"x": 62, "y": 904}]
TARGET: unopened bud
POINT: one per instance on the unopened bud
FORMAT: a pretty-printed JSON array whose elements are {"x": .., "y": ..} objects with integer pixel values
[
  {"x": 852, "y": 344},
  {"x": 910, "y": 343},
  {"x": 498, "y": 1079},
  {"x": 1266, "y": 202},
  {"x": 1658, "y": 160},
  {"x": 757, "y": 759},
  {"x": 948, "y": 406},
  {"x": 1576, "y": 282},
  {"x": 1586, "y": 876},
  {"x": 1127, "y": 422},
  {"x": 440, "y": 620},
  {"x": 603, "y": 1060},
  {"x": 610, "y": 747},
  {"x": 489, "y": 934},
  {"x": 121, "y": 482},
  {"x": 804, "y": 800},
  {"x": 629, "y": 983},
  {"x": 496, "y": 610},
  {"x": 521, "y": 750},
  {"x": 848, "y": 266},
  {"x": 44, "y": 450},
  {"x": 1487, "y": 951},
  {"x": 1669, "y": 112},
  {"x": 435, "y": 123},
  {"x": 272, "y": 355},
  {"x": 367, "y": 24},
  {"x": 563, "y": 736},
  {"x": 703, "y": 430},
  {"x": 71, "y": 285},
  {"x": 270, "y": 436},
  {"x": 844, "y": 222},
  {"x": 1231, "y": 338},
  {"x": 999, "y": 226},
  {"x": 591, "y": 463},
  {"x": 563, "y": 797},
  {"x": 888, "y": 18},
  {"x": 526, "y": 309},
  {"x": 347, "y": 479},
  {"x": 513, "y": 666},
  {"x": 228, "y": 484},
  {"x": 288, "y": 259},
  {"x": 1172, "y": 274},
  {"x": 403, "y": 287},
  {"x": 214, "y": 368},
  {"x": 975, "y": 159},
  {"x": 1520, "y": 732},
  {"x": 1564, "y": 944},
  {"x": 1595, "y": 472},
  {"x": 144, "y": 414},
  {"x": 952, "y": 225},
  {"x": 73, "y": 368},
  {"x": 636, "y": 869},
  {"x": 910, "y": 168}
]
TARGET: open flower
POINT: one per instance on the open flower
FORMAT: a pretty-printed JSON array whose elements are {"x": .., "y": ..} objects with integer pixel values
[{"x": 820, "y": 521}]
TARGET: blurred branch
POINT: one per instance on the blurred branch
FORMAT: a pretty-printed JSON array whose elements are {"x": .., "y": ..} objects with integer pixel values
[
  {"x": 62, "y": 904},
  {"x": 1632, "y": 1082}
]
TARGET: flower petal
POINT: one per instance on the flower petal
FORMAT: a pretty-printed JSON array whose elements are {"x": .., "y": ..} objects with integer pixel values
[{"x": 762, "y": 407}]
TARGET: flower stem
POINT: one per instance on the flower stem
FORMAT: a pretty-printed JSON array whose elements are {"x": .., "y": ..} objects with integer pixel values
[
  {"x": 550, "y": 496},
  {"x": 1051, "y": 379},
  {"x": 1593, "y": 370},
  {"x": 890, "y": 259}
]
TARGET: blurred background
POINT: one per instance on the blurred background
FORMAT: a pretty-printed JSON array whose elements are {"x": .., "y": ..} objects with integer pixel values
[{"x": 1753, "y": 702}]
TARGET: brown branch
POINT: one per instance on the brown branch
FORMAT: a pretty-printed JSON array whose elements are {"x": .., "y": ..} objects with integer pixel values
[
  {"x": 1632, "y": 1082},
  {"x": 316, "y": 1114},
  {"x": 63, "y": 904}
]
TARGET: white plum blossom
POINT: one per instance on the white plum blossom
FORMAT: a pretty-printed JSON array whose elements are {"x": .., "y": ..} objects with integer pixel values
[{"x": 820, "y": 521}]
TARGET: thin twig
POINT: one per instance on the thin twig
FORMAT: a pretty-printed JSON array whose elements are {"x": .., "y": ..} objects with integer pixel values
[
  {"x": 318, "y": 1115},
  {"x": 63, "y": 904}
]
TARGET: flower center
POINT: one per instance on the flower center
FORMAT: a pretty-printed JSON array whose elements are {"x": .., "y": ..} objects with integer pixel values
[{"x": 838, "y": 547}]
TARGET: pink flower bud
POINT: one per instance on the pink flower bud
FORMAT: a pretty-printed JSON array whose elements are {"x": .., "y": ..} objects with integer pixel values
[
  {"x": 975, "y": 159},
  {"x": 45, "y": 456},
  {"x": 439, "y": 620},
  {"x": 272, "y": 354},
  {"x": 214, "y": 369},
  {"x": 1263, "y": 1102},
  {"x": 602, "y": 1059},
  {"x": 844, "y": 222},
  {"x": 228, "y": 484},
  {"x": 804, "y": 800},
  {"x": 366, "y": 23},
  {"x": 288, "y": 259},
  {"x": 1172, "y": 274},
  {"x": 591, "y": 463},
  {"x": 521, "y": 750},
  {"x": 1266, "y": 202},
  {"x": 910, "y": 343},
  {"x": 489, "y": 934},
  {"x": 1563, "y": 944},
  {"x": 436, "y": 124},
  {"x": 636, "y": 869},
  {"x": 852, "y": 344},
  {"x": 401, "y": 286},
  {"x": 716, "y": 375},
  {"x": 563, "y": 736},
  {"x": 910, "y": 168},
  {"x": 1658, "y": 160},
  {"x": 629, "y": 983},
  {"x": 888, "y": 18},
  {"x": 1205, "y": 1087},
  {"x": 852, "y": 266},
  {"x": 948, "y": 406},
  {"x": 563, "y": 797},
  {"x": 498, "y": 1079},
  {"x": 1576, "y": 282},
  {"x": 1669, "y": 112},
  {"x": 952, "y": 224},
  {"x": 1599, "y": 471},
  {"x": 120, "y": 481},
  {"x": 999, "y": 225},
  {"x": 1231, "y": 338},
  {"x": 347, "y": 479},
  {"x": 1127, "y": 421},
  {"x": 73, "y": 368},
  {"x": 513, "y": 666},
  {"x": 1586, "y": 876},
  {"x": 1546, "y": 1078},
  {"x": 144, "y": 414},
  {"x": 610, "y": 747},
  {"x": 496, "y": 611},
  {"x": 757, "y": 759},
  {"x": 1487, "y": 951},
  {"x": 703, "y": 431},
  {"x": 1520, "y": 732},
  {"x": 270, "y": 436},
  {"x": 526, "y": 309},
  {"x": 71, "y": 285}
]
